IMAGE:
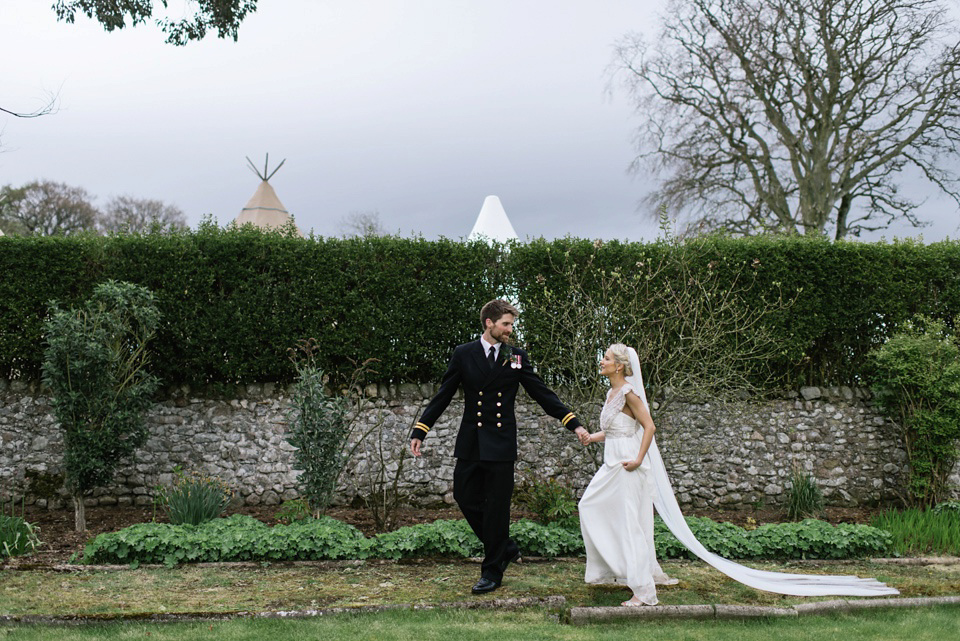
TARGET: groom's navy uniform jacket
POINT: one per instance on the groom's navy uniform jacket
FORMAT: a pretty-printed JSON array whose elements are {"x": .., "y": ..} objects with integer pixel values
[{"x": 488, "y": 429}]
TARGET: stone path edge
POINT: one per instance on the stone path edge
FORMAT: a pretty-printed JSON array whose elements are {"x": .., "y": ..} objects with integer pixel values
[{"x": 583, "y": 616}]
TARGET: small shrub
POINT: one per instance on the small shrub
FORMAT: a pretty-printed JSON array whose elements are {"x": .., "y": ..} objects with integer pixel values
[
  {"x": 293, "y": 511},
  {"x": 95, "y": 365},
  {"x": 915, "y": 377},
  {"x": 321, "y": 424},
  {"x": 548, "y": 499},
  {"x": 805, "y": 500},
  {"x": 17, "y": 536},
  {"x": 194, "y": 498}
]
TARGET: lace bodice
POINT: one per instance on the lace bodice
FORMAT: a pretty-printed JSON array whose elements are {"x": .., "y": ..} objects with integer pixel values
[{"x": 613, "y": 422}]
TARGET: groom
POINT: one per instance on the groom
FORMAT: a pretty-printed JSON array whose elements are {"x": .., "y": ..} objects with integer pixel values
[{"x": 490, "y": 371}]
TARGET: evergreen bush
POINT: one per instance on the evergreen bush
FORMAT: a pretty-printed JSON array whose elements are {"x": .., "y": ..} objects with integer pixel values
[
  {"x": 916, "y": 381},
  {"x": 95, "y": 367}
]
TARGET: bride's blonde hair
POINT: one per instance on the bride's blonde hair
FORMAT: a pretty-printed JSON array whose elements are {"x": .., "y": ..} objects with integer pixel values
[{"x": 621, "y": 357}]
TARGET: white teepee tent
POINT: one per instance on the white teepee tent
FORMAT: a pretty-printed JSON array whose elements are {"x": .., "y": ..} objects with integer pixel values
[
  {"x": 492, "y": 223},
  {"x": 264, "y": 209}
]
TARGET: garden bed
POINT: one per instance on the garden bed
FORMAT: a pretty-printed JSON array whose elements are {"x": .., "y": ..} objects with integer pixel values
[{"x": 60, "y": 541}]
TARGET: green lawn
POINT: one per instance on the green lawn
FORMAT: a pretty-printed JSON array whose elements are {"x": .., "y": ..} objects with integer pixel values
[
  {"x": 224, "y": 589},
  {"x": 921, "y": 624}
]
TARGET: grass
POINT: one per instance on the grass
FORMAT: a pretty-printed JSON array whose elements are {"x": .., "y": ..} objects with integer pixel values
[
  {"x": 921, "y": 532},
  {"x": 924, "y": 624},
  {"x": 224, "y": 589}
]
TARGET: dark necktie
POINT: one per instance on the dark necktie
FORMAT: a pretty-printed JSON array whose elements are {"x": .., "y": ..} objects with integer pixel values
[{"x": 492, "y": 356}]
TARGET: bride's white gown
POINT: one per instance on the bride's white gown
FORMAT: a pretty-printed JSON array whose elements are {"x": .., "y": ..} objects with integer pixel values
[
  {"x": 616, "y": 520},
  {"x": 616, "y": 511}
]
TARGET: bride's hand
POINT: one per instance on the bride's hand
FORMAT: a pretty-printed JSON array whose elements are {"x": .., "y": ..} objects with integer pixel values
[{"x": 630, "y": 465}]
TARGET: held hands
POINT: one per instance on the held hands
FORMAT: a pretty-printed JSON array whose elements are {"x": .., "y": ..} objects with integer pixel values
[
  {"x": 586, "y": 438},
  {"x": 582, "y": 435}
]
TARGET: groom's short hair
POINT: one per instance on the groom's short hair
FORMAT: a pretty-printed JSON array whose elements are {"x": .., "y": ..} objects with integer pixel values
[{"x": 494, "y": 310}]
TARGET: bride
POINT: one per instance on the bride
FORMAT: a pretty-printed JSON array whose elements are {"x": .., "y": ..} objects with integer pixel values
[{"x": 616, "y": 510}]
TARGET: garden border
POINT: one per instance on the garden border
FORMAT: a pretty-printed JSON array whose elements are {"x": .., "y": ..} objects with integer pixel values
[{"x": 585, "y": 616}]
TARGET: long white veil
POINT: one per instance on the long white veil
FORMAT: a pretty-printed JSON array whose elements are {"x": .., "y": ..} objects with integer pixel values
[{"x": 780, "y": 582}]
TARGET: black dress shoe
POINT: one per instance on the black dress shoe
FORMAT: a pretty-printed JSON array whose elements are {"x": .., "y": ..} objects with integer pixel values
[{"x": 485, "y": 585}]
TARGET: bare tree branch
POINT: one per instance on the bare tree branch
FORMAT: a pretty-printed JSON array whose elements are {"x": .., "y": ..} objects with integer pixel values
[{"x": 799, "y": 116}]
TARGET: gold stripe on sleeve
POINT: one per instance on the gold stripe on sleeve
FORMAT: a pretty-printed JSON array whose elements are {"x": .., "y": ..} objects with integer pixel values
[
  {"x": 566, "y": 419},
  {"x": 421, "y": 426}
]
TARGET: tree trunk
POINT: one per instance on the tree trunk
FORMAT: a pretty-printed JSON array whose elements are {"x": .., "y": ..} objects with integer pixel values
[
  {"x": 842, "y": 212},
  {"x": 79, "y": 514}
]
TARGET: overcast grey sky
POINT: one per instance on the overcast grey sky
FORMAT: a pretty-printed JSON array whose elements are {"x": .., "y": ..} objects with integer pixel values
[{"x": 417, "y": 109}]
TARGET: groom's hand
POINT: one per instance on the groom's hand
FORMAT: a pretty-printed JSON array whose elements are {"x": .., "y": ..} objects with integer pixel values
[
  {"x": 415, "y": 446},
  {"x": 583, "y": 435}
]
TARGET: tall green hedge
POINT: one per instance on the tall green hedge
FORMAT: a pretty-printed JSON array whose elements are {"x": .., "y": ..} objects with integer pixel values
[
  {"x": 233, "y": 301},
  {"x": 847, "y": 297}
]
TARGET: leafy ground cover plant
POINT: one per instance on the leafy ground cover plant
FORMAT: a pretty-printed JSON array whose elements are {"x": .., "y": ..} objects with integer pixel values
[
  {"x": 241, "y": 538},
  {"x": 918, "y": 532},
  {"x": 194, "y": 498},
  {"x": 442, "y": 538},
  {"x": 947, "y": 506},
  {"x": 236, "y": 538},
  {"x": 17, "y": 536}
]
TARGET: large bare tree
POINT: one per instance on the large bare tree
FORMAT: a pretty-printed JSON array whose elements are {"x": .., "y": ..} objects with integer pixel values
[
  {"x": 362, "y": 224},
  {"x": 129, "y": 214},
  {"x": 800, "y": 116},
  {"x": 47, "y": 208}
]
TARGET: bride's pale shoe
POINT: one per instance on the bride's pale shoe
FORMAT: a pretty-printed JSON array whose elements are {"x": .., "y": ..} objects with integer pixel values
[{"x": 633, "y": 603}]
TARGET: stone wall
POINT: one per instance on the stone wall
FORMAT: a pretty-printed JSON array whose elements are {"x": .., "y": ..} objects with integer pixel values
[{"x": 717, "y": 455}]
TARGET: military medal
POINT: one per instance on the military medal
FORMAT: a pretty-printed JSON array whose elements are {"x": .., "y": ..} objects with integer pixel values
[{"x": 515, "y": 361}]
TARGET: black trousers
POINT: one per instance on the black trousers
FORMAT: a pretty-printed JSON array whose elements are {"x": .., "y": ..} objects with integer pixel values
[{"x": 483, "y": 490}]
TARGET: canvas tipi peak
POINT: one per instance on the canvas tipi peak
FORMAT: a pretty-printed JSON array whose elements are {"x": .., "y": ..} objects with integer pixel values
[
  {"x": 492, "y": 223},
  {"x": 264, "y": 209}
]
